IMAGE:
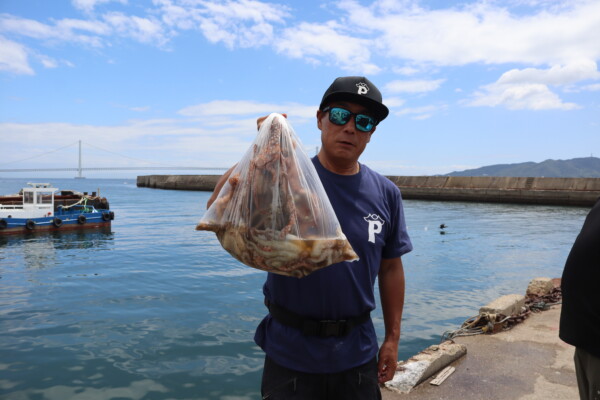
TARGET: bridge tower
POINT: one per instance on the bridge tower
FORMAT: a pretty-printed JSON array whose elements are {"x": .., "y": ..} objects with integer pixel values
[{"x": 79, "y": 169}]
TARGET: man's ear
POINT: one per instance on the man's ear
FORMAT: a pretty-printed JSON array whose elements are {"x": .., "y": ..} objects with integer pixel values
[{"x": 319, "y": 116}]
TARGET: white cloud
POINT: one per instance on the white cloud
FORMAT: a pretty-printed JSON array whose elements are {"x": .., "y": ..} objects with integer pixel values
[
  {"x": 94, "y": 26},
  {"x": 243, "y": 107},
  {"x": 592, "y": 88},
  {"x": 94, "y": 33},
  {"x": 235, "y": 23},
  {"x": 415, "y": 86},
  {"x": 482, "y": 32},
  {"x": 215, "y": 133},
  {"x": 13, "y": 58},
  {"x": 89, "y": 5},
  {"x": 405, "y": 70},
  {"x": 420, "y": 113},
  {"x": 143, "y": 30},
  {"x": 62, "y": 31},
  {"x": 520, "y": 89},
  {"x": 245, "y": 10},
  {"x": 478, "y": 32},
  {"x": 392, "y": 102},
  {"x": 361, "y": 39},
  {"x": 326, "y": 43},
  {"x": 25, "y": 27},
  {"x": 186, "y": 144},
  {"x": 526, "y": 96},
  {"x": 556, "y": 75},
  {"x": 48, "y": 62},
  {"x": 176, "y": 16}
]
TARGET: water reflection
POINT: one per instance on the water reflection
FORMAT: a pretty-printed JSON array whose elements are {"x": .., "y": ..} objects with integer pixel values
[{"x": 37, "y": 242}]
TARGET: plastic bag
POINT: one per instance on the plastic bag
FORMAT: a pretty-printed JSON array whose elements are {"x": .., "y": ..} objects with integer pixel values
[{"x": 273, "y": 213}]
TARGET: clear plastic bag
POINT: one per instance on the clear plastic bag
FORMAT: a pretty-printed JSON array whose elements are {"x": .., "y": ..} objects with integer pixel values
[{"x": 273, "y": 213}]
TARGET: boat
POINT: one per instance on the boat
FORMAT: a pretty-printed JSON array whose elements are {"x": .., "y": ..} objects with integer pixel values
[{"x": 38, "y": 207}]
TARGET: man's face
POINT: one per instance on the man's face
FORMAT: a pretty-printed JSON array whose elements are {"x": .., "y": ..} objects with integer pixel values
[{"x": 343, "y": 143}]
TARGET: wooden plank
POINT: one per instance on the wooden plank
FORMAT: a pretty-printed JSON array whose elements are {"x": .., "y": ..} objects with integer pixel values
[{"x": 446, "y": 372}]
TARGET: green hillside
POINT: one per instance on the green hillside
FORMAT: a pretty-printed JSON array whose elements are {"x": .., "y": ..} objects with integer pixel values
[{"x": 587, "y": 167}]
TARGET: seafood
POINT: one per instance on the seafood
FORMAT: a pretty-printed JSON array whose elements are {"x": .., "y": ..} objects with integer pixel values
[{"x": 273, "y": 213}]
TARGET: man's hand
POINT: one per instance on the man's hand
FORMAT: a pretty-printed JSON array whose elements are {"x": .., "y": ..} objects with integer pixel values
[
  {"x": 260, "y": 120},
  {"x": 388, "y": 356}
]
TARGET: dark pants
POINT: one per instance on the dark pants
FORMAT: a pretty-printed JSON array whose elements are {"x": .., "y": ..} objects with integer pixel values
[
  {"x": 587, "y": 367},
  {"x": 280, "y": 383}
]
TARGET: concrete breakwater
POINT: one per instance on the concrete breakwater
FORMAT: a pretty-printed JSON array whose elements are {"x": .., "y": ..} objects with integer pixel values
[
  {"x": 179, "y": 182},
  {"x": 531, "y": 190},
  {"x": 549, "y": 191}
]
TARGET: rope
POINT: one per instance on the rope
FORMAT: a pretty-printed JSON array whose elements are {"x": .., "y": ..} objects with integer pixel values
[{"x": 83, "y": 200}]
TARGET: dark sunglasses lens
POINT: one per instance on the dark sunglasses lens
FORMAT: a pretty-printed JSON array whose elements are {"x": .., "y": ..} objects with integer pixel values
[
  {"x": 364, "y": 122},
  {"x": 339, "y": 116}
]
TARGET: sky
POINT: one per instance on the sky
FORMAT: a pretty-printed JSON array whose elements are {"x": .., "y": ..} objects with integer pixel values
[{"x": 181, "y": 82}]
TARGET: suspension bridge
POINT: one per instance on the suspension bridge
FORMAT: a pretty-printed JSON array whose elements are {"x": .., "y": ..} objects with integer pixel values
[{"x": 80, "y": 168}]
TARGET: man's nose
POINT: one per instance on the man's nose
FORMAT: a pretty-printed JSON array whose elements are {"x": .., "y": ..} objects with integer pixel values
[{"x": 350, "y": 126}]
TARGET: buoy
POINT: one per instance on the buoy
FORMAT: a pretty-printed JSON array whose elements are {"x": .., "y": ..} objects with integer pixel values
[
  {"x": 57, "y": 222},
  {"x": 3, "y": 224},
  {"x": 81, "y": 219},
  {"x": 105, "y": 216}
]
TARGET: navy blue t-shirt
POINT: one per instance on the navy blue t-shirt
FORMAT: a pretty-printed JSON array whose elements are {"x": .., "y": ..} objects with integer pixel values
[{"x": 369, "y": 209}]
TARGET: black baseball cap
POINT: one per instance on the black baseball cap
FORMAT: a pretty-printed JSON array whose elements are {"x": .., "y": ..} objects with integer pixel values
[{"x": 356, "y": 89}]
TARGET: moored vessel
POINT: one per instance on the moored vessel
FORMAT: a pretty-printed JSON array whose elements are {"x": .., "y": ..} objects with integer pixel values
[{"x": 38, "y": 207}]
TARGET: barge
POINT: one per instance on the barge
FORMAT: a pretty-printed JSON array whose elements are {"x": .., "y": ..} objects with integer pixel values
[{"x": 38, "y": 207}]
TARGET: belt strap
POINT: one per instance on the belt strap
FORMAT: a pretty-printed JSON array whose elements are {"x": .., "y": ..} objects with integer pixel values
[{"x": 313, "y": 327}]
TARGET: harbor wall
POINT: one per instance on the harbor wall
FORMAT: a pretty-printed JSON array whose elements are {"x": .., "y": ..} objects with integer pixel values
[
  {"x": 523, "y": 190},
  {"x": 179, "y": 182}
]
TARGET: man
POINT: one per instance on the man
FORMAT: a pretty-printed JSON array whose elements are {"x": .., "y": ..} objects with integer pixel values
[
  {"x": 580, "y": 314},
  {"x": 318, "y": 337}
]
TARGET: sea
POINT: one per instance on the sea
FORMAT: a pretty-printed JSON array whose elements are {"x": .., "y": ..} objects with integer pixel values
[{"x": 153, "y": 309}]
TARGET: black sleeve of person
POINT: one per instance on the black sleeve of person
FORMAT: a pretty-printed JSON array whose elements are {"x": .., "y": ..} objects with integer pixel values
[{"x": 580, "y": 315}]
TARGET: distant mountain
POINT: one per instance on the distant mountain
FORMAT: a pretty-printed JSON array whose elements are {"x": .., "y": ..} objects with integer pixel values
[{"x": 587, "y": 167}]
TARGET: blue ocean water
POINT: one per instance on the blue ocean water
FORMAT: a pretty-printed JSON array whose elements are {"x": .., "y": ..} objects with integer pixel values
[{"x": 152, "y": 309}]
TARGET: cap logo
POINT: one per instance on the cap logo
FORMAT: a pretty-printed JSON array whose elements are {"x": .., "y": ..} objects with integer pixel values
[{"x": 362, "y": 88}]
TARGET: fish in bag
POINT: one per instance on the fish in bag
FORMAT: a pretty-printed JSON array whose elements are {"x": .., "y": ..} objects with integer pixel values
[{"x": 273, "y": 213}]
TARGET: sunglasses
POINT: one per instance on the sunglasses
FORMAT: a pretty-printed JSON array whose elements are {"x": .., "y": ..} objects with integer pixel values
[{"x": 341, "y": 116}]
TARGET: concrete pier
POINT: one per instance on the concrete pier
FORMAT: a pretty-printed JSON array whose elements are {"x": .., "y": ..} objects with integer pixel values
[
  {"x": 534, "y": 190},
  {"x": 527, "y": 362}
]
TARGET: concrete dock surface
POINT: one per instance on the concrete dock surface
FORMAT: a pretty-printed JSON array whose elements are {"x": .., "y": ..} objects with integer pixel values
[{"x": 528, "y": 362}]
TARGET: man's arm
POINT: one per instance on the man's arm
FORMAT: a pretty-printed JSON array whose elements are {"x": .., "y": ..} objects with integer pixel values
[
  {"x": 219, "y": 186},
  {"x": 391, "y": 290}
]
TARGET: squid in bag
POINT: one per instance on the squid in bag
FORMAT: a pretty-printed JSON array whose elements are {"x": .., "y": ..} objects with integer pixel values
[{"x": 273, "y": 213}]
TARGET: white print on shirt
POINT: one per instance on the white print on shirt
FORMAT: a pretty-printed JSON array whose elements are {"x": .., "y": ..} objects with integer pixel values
[{"x": 375, "y": 225}]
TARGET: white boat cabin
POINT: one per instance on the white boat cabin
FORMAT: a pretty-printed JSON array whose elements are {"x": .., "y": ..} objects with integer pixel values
[{"x": 38, "y": 202}]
